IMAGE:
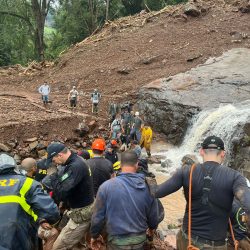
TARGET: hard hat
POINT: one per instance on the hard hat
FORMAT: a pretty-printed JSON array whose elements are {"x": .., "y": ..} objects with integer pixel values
[
  {"x": 95, "y": 90},
  {"x": 6, "y": 162},
  {"x": 117, "y": 166},
  {"x": 74, "y": 87},
  {"x": 99, "y": 144},
  {"x": 248, "y": 182},
  {"x": 137, "y": 113},
  {"x": 113, "y": 142}
]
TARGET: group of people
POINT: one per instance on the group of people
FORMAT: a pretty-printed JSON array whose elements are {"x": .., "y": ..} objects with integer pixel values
[
  {"x": 81, "y": 202},
  {"x": 73, "y": 97},
  {"x": 129, "y": 128}
]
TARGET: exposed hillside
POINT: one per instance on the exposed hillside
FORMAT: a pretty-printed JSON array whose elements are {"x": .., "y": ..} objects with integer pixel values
[{"x": 131, "y": 52}]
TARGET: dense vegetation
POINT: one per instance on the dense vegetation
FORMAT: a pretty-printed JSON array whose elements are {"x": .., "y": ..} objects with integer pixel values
[{"x": 42, "y": 29}]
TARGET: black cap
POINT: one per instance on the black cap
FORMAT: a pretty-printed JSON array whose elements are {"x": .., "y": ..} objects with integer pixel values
[
  {"x": 213, "y": 142},
  {"x": 53, "y": 149}
]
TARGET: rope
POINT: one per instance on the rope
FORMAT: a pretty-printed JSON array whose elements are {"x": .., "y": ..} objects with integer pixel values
[{"x": 236, "y": 243}]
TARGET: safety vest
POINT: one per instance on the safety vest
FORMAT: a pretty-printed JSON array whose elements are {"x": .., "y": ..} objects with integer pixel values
[
  {"x": 20, "y": 198},
  {"x": 91, "y": 154}
]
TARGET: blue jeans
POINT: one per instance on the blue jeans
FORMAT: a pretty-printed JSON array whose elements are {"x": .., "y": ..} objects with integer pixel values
[
  {"x": 45, "y": 98},
  {"x": 135, "y": 134}
]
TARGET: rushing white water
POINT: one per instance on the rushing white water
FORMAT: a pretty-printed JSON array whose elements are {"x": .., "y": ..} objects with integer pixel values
[{"x": 226, "y": 122}]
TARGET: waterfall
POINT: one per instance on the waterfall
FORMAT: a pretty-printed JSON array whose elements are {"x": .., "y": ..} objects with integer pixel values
[{"x": 226, "y": 122}]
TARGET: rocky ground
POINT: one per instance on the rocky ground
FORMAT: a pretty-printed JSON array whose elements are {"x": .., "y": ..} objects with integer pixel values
[{"x": 124, "y": 56}]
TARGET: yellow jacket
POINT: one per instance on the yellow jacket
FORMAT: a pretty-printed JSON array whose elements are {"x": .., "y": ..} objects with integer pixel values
[{"x": 146, "y": 137}]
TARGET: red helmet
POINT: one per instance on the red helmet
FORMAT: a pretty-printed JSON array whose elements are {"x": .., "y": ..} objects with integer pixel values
[
  {"x": 113, "y": 142},
  {"x": 99, "y": 144}
]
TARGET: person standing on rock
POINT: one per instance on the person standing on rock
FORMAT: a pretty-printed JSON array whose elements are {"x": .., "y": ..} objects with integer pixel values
[
  {"x": 213, "y": 190},
  {"x": 44, "y": 90},
  {"x": 146, "y": 139},
  {"x": 125, "y": 207},
  {"x": 24, "y": 206},
  {"x": 116, "y": 128},
  {"x": 73, "y": 97},
  {"x": 74, "y": 186},
  {"x": 135, "y": 133},
  {"x": 95, "y": 99}
]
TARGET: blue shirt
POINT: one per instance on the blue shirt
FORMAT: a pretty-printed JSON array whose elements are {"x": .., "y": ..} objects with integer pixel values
[{"x": 125, "y": 205}]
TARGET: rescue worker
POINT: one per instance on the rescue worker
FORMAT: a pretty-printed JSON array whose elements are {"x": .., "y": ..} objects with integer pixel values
[
  {"x": 136, "y": 148},
  {"x": 41, "y": 170},
  {"x": 135, "y": 133},
  {"x": 101, "y": 168},
  {"x": 116, "y": 128},
  {"x": 113, "y": 111},
  {"x": 44, "y": 90},
  {"x": 238, "y": 219},
  {"x": 125, "y": 205},
  {"x": 74, "y": 186},
  {"x": 127, "y": 124},
  {"x": 146, "y": 139},
  {"x": 73, "y": 97},
  {"x": 29, "y": 167},
  {"x": 95, "y": 99},
  {"x": 23, "y": 207},
  {"x": 213, "y": 190},
  {"x": 110, "y": 153}
]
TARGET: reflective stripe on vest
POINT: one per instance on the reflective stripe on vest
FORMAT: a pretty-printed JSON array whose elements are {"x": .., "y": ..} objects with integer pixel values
[{"x": 21, "y": 199}]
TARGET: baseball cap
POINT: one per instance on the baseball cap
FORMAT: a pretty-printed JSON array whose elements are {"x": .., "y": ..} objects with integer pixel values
[
  {"x": 53, "y": 149},
  {"x": 213, "y": 142}
]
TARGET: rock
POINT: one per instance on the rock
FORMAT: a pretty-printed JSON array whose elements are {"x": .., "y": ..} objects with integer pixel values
[
  {"x": 40, "y": 146},
  {"x": 102, "y": 128},
  {"x": 78, "y": 144},
  {"x": 155, "y": 159},
  {"x": 160, "y": 169},
  {"x": 4, "y": 148},
  {"x": 245, "y": 6},
  {"x": 41, "y": 153},
  {"x": 11, "y": 144},
  {"x": 92, "y": 124},
  {"x": 191, "y": 10},
  {"x": 33, "y": 145},
  {"x": 31, "y": 139},
  {"x": 166, "y": 163},
  {"x": 124, "y": 71},
  {"x": 169, "y": 104}
]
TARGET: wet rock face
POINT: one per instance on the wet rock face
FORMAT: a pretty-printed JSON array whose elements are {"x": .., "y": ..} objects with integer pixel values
[
  {"x": 241, "y": 152},
  {"x": 169, "y": 104}
]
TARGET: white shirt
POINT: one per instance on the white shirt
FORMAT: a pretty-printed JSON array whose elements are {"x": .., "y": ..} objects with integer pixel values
[
  {"x": 73, "y": 93},
  {"x": 44, "y": 89}
]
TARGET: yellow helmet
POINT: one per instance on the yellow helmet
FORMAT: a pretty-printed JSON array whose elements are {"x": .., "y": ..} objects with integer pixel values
[{"x": 117, "y": 166}]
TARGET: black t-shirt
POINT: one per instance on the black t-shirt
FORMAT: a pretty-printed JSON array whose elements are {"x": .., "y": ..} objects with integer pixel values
[
  {"x": 101, "y": 169},
  {"x": 112, "y": 157},
  {"x": 41, "y": 170},
  {"x": 75, "y": 185},
  {"x": 226, "y": 183}
]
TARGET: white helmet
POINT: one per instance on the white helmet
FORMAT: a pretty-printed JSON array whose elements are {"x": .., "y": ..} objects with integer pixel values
[
  {"x": 74, "y": 87},
  {"x": 137, "y": 113}
]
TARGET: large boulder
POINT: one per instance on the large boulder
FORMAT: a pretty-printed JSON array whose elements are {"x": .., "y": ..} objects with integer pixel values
[{"x": 170, "y": 103}]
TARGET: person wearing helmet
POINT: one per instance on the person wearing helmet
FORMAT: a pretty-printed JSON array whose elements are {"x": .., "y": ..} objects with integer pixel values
[
  {"x": 24, "y": 206},
  {"x": 73, "y": 97},
  {"x": 135, "y": 133},
  {"x": 95, "y": 99},
  {"x": 101, "y": 168}
]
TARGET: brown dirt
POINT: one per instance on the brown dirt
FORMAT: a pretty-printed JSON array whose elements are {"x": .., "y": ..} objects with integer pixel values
[{"x": 121, "y": 58}]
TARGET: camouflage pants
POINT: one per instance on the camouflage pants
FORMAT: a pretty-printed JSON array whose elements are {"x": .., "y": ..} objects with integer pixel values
[
  {"x": 244, "y": 244},
  {"x": 95, "y": 108},
  {"x": 182, "y": 243}
]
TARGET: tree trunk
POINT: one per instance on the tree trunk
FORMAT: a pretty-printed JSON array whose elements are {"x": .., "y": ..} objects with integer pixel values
[
  {"x": 107, "y": 10},
  {"x": 40, "y": 11}
]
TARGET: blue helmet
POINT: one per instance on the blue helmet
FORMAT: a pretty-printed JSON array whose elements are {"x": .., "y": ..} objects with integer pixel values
[{"x": 6, "y": 162}]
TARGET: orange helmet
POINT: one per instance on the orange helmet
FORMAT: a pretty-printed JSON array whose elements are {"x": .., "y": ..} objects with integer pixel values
[
  {"x": 113, "y": 142},
  {"x": 99, "y": 144}
]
